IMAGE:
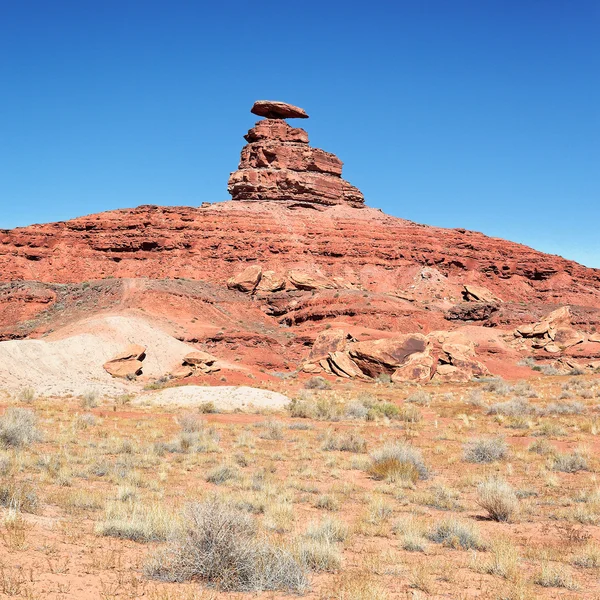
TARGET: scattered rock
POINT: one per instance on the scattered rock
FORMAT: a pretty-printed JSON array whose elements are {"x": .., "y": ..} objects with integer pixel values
[
  {"x": 247, "y": 280},
  {"x": 199, "y": 357}
]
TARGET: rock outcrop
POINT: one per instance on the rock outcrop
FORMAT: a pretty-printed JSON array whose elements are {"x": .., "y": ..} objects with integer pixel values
[
  {"x": 127, "y": 363},
  {"x": 277, "y": 164}
]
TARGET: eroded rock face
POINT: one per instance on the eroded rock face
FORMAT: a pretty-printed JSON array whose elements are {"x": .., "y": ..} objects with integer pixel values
[
  {"x": 279, "y": 165},
  {"x": 386, "y": 355}
]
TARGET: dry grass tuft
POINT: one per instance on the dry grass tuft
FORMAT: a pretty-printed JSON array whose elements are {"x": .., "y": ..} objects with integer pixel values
[{"x": 498, "y": 499}]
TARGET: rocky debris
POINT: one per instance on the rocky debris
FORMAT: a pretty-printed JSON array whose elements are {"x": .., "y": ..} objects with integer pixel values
[
  {"x": 247, "y": 280},
  {"x": 471, "y": 311},
  {"x": 457, "y": 361},
  {"x": 277, "y": 164},
  {"x": 553, "y": 333},
  {"x": 127, "y": 363},
  {"x": 199, "y": 357},
  {"x": 195, "y": 362},
  {"x": 386, "y": 355},
  {"x": 271, "y": 109},
  {"x": 478, "y": 293}
]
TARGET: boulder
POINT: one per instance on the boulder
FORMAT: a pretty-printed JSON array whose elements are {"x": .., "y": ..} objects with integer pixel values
[
  {"x": 124, "y": 367},
  {"x": 270, "y": 282},
  {"x": 329, "y": 340},
  {"x": 565, "y": 337},
  {"x": 418, "y": 367},
  {"x": 199, "y": 357},
  {"x": 341, "y": 364},
  {"x": 477, "y": 293},
  {"x": 306, "y": 281},
  {"x": 182, "y": 371},
  {"x": 386, "y": 355},
  {"x": 594, "y": 337},
  {"x": 126, "y": 363},
  {"x": 133, "y": 351},
  {"x": 311, "y": 368},
  {"x": 272, "y": 109},
  {"x": 247, "y": 280}
]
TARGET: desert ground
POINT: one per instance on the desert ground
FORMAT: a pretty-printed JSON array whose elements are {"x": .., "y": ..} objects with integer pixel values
[{"x": 353, "y": 491}]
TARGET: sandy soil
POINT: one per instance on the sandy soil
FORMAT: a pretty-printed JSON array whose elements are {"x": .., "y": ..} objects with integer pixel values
[{"x": 223, "y": 397}]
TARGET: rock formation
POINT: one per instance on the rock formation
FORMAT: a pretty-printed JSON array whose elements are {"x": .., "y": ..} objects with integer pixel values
[{"x": 277, "y": 164}]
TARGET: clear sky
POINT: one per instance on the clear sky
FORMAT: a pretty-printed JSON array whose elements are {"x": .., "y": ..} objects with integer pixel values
[{"x": 476, "y": 114}]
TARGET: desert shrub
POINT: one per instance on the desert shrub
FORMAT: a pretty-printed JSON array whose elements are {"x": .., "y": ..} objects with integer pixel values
[
  {"x": 410, "y": 414},
  {"x": 328, "y": 530},
  {"x": 387, "y": 409},
  {"x": 327, "y": 502},
  {"x": 317, "y": 383},
  {"x": 542, "y": 447},
  {"x": 412, "y": 534},
  {"x": 553, "y": 576},
  {"x": 301, "y": 426},
  {"x": 271, "y": 430},
  {"x": 440, "y": 497},
  {"x": 18, "y": 495},
  {"x": 397, "y": 462},
  {"x": 221, "y": 474},
  {"x": 189, "y": 422},
  {"x": 524, "y": 389},
  {"x": 18, "y": 428},
  {"x": 497, "y": 386},
  {"x": 318, "y": 555},
  {"x": 384, "y": 378},
  {"x": 346, "y": 442},
  {"x": 220, "y": 546},
  {"x": 301, "y": 408},
  {"x": 564, "y": 408},
  {"x": 356, "y": 410},
  {"x": 420, "y": 397},
  {"x": 207, "y": 408},
  {"x": 456, "y": 534},
  {"x": 517, "y": 407},
  {"x": 588, "y": 557},
  {"x": 498, "y": 499},
  {"x": 475, "y": 398},
  {"x": 89, "y": 399},
  {"x": 485, "y": 450},
  {"x": 137, "y": 522},
  {"x": 86, "y": 420},
  {"x": 26, "y": 395},
  {"x": 570, "y": 462}
]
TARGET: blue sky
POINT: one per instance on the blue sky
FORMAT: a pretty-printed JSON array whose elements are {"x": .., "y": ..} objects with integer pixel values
[{"x": 484, "y": 115}]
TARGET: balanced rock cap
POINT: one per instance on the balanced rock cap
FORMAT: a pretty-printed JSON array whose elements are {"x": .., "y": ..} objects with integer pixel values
[{"x": 277, "y": 110}]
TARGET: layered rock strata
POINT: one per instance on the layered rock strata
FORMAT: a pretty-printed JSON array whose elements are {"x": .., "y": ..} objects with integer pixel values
[{"x": 278, "y": 164}]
